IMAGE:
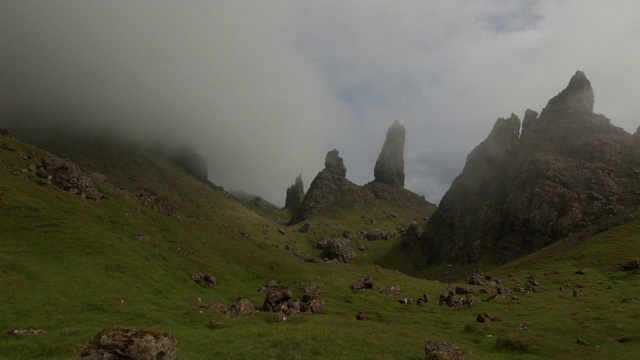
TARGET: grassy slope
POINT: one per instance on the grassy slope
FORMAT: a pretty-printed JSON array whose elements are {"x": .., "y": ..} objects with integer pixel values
[{"x": 66, "y": 264}]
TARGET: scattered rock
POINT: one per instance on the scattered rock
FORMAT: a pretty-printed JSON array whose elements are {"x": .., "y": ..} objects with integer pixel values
[
  {"x": 339, "y": 249},
  {"x": 313, "y": 300},
  {"x": 361, "y": 316},
  {"x": 120, "y": 343},
  {"x": 241, "y": 306},
  {"x": 631, "y": 265},
  {"x": 533, "y": 281},
  {"x": 306, "y": 228},
  {"x": 577, "y": 293},
  {"x": 217, "y": 306},
  {"x": 390, "y": 290},
  {"x": 406, "y": 301},
  {"x": 281, "y": 317},
  {"x": 150, "y": 199},
  {"x": 375, "y": 234},
  {"x": 364, "y": 283},
  {"x": 448, "y": 297},
  {"x": 423, "y": 300},
  {"x": 581, "y": 342},
  {"x": 67, "y": 176},
  {"x": 282, "y": 231},
  {"x": 484, "y": 317},
  {"x": 205, "y": 280},
  {"x": 26, "y": 331},
  {"x": 580, "y": 272},
  {"x": 270, "y": 285},
  {"x": 522, "y": 327},
  {"x": 438, "y": 350},
  {"x": 277, "y": 300}
]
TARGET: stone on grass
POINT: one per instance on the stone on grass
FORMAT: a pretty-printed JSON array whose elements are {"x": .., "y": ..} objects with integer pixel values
[
  {"x": 120, "y": 343},
  {"x": 439, "y": 350}
]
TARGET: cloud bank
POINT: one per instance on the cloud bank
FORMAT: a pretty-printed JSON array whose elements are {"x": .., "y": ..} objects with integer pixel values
[{"x": 263, "y": 89}]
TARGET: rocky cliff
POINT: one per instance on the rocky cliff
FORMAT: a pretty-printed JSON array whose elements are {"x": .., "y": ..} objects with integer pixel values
[
  {"x": 389, "y": 167},
  {"x": 519, "y": 191}
]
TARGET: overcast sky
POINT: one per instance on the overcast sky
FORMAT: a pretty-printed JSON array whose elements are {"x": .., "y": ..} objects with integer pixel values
[{"x": 263, "y": 89}]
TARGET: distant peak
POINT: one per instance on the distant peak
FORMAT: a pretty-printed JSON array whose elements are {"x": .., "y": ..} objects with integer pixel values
[{"x": 577, "y": 96}]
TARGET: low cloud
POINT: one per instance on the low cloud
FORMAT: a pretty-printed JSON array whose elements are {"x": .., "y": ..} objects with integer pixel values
[{"x": 263, "y": 89}]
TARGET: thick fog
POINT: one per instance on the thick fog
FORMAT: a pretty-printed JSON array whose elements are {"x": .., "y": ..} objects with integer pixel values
[{"x": 263, "y": 89}]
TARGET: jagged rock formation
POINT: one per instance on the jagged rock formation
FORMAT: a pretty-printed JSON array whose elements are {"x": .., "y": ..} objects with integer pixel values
[
  {"x": 519, "y": 192},
  {"x": 390, "y": 164},
  {"x": 295, "y": 195},
  {"x": 325, "y": 188}
]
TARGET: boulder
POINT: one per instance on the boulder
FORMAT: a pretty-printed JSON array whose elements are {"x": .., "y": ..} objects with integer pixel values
[
  {"x": 120, "y": 343},
  {"x": 448, "y": 297},
  {"x": 363, "y": 283},
  {"x": 241, "y": 306},
  {"x": 389, "y": 167},
  {"x": 313, "y": 299},
  {"x": 438, "y": 350},
  {"x": 390, "y": 290},
  {"x": 277, "y": 299},
  {"x": 205, "y": 280},
  {"x": 339, "y": 249}
]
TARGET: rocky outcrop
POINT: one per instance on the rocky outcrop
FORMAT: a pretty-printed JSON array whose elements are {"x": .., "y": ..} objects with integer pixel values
[
  {"x": 325, "y": 189},
  {"x": 519, "y": 192},
  {"x": 67, "y": 176},
  {"x": 295, "y": 195},
  {"x": 390, "y": 164},
  {"x": 119, "y": 343}
]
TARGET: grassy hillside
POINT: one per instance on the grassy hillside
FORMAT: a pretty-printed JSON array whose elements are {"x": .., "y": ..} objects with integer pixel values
[{"x": 72, "y": 266}]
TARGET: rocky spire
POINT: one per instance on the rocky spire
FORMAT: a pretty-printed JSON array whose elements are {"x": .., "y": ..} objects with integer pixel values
[
  {"x": 334, "y": 164},
  {"x": 295, "y": 194},
  {"x": 326, "y": 187},
  {"x": 577, "y": 96},
  {"x": 390, "y": 164}
]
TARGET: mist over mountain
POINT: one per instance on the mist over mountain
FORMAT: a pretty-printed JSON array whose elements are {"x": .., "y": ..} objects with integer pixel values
[{"x": 262, "y": 90}]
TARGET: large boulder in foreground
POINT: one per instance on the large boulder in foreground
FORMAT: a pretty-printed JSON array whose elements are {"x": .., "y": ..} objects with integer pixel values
[
  {"x": 119, "y": 343},
  {"x": 520, "y": 191},
  {"x": 390, "y": 164}
]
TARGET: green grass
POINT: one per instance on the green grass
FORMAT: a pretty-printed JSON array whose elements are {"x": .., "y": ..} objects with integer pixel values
[{"x": 67, "y": 265}]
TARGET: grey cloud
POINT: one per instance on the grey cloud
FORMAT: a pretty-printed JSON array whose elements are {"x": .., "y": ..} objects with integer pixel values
[{"x": 264, "y": 88}]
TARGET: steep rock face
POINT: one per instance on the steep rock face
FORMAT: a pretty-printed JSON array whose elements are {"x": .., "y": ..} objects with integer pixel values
[
  {"x": 295, "y": 195},
  {"x": 390, "y": 164},
  {"x": 324, "y": 189},
  {"x": 520, "y": 192}
]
